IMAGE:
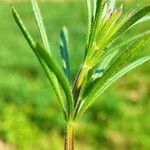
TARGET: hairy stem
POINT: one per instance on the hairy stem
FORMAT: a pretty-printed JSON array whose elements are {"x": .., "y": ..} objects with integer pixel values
[{"x": 69, "y": 137}]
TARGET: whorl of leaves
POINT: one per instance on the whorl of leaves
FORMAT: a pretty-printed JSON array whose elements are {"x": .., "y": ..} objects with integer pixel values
[{"x": 104, "y": 61}]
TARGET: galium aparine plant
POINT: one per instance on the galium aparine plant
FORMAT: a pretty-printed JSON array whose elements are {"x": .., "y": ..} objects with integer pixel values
[{"x": 106, "y": 58}]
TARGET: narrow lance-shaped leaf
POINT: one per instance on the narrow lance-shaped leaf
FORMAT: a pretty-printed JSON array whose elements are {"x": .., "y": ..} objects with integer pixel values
[
  {"x": 109, "y": 82},
  {"x": 64, "y": 51},
  {"x": 90, "y": 16},
  {"x": 113, "y": 47},
  {"x": 98, "y": 13},
  {"x": 146, "y": 18},
  {"x": 60, "y": 76},
  {"x": 94, "y": 8},
  {"x": 112, "y": 5},
  {"x": 89, "y": 10},
  {"x": 32, "y": 44},
  {"x": 40, "y": 23},
  {"x": 131, "y": 21},
  {"x": 105, "y": 10},
  {"x": 109, "y": 25},
  {"x": 23, "y": 29}
]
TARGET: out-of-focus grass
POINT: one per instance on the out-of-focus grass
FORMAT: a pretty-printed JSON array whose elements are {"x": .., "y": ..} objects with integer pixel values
[{"x": 29, "y": 115}]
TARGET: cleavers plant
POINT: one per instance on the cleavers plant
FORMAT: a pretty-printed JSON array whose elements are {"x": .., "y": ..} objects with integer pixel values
[{"x": 106, "y": 58}]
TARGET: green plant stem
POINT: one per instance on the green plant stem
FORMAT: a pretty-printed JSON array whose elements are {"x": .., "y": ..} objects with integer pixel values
[{"x": 69, "y": 137}]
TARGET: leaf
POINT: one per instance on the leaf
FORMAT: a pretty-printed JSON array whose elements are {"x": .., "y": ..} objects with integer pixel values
[
  {"x": 108, "y": 26},
  {"x": 131, "y": 21},
  {"x": 124, "y": 71},
  {"x": 32, "y": 44},
  {"x": 103, "y": 66},
  {"x": 112, "y": 5},
  {"x": 40, "y": 24},
  {"x": 89, "y": 10},
  {"x": 64, "y": 51},
  {"x": 42, "y": 30},
  {"x": 107, "y": 60},
  {"x": 103, "y": 33},
  {"x": 60, "y": 76},
  {"x": 146, "y": 18},
  {"x": 23, "y": 29},
  {"x": 98, "y": 13},
  {"x": 87, "y": 102},
  {"x": 113, "y": 47},
  {"x": 126, "y": 56},
  {"x": 105, "y": 11},
  {"x": 94, "y": 8}
]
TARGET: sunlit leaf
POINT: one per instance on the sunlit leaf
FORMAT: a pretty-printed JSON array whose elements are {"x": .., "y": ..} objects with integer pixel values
[
  {"x": 40, "y": 23},
  {"x": 112, "y": 5},
  {"x": 50, "y": 62},
  {"x": 131, "y": 21},
  {"x": 125, "y": 59},
  {"x": 87, "y": 102}
]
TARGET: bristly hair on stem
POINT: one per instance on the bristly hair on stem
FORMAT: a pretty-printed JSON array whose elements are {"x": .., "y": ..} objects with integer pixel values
[{"x": 106, "y": 59}]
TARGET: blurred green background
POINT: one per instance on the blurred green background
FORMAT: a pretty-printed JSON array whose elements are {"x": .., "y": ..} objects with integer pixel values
[{"x": 30, "y": 117}]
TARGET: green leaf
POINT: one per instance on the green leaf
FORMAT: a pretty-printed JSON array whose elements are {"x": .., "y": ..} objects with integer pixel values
[
  {"x": 131, "y": 21},
  {"x": 60, "y": 77},
  {"x": 94, "y": 8},
  {"x": 32, "y": 44},
  {"x": 113, "y": 47},
  {"x": 23, "y": 29},
  {"x": 95, "y": 22},
  {"x": 98, "y": 14},
  {"x": 89, "y": 10},
  {"x": 104, "y": 64},
  {"x": 105, "y": 10},
  {"x": 104, "y": 32},
  {"x": 106, "y": 36},
  {"x": 64, "y": 51},
  {"x": 112, "y": 5},
  {"x": 40, "y": 24},
  {"x": 44, "y": 37},
  {"x": 146, "y": 18},
  {"x": 87, "y": 102}
]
